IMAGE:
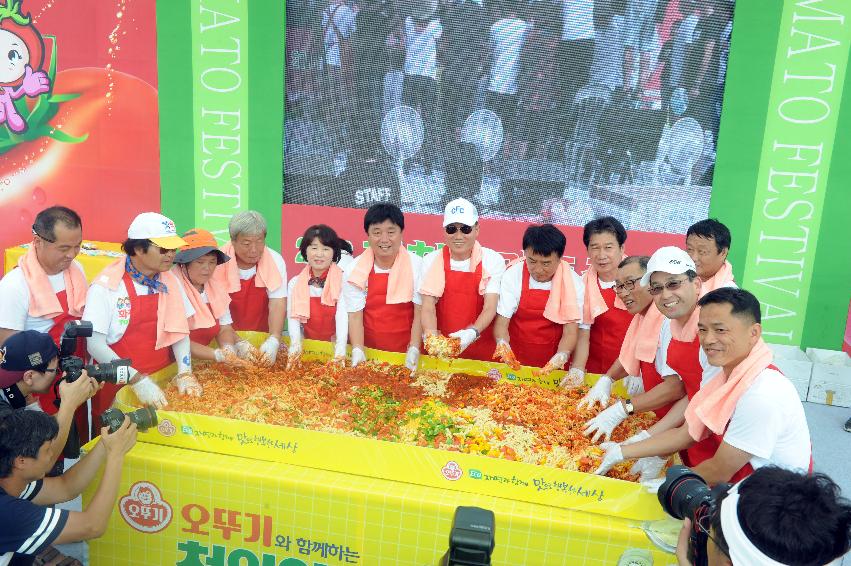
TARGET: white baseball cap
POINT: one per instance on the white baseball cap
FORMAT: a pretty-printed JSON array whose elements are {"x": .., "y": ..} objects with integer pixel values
[
  {"x": 156, "y": 228},
  {"x": 460, "y": 210},
  {"x": 669, "y": 259}
]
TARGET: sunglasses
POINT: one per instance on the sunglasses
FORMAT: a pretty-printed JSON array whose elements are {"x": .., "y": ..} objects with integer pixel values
[
  {"x": 452, "y": 228},
  {"x": 627, "y": 285},
  {"x": 163, "y": 251},
  {"x": 670, "y": 286}
]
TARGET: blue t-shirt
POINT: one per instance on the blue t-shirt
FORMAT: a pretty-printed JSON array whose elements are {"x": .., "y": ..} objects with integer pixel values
[{"x": 27, "y": 528}]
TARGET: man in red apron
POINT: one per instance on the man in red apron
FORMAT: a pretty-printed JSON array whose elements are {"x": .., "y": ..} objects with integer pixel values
[
  {"x": 749, "y": 409},
  {"x": 139, "y": 310},
  {"x": 48, "y": 288},
  {"x": 540, "y": 302},
  {"x": 380, "y": 290},
  {"x": 256, "y": 279},
  {"x": 460, "y": 286},
  {"x": 604, "y": 317}
]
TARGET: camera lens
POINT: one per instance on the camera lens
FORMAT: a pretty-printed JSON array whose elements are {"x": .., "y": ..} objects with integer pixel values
[
  {"x": 145, "y": 418},
  {"x": 683, "y": 492}
]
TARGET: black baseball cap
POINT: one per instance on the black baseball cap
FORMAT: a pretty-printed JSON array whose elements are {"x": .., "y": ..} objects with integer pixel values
[{"x": 25, "y": 351}]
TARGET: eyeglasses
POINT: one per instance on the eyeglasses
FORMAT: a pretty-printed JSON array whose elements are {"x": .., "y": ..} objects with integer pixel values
[
  {"x": 670, "y": 286},
  {"x": 452, "y": 228},
  {"x": 627, "y": 285},
  {"x": 48, "y": 240},
  {"x": 163, "y": 251}
]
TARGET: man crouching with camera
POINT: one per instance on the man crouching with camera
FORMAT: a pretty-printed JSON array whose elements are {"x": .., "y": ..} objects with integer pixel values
[
  {"x": 774, "y": 517},
  {"x": 27, "y": 524},
  {"x": 29, "y": 361}
]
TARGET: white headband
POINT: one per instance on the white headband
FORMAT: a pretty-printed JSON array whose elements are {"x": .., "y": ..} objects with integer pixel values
[{"x": 742, "y": 550}]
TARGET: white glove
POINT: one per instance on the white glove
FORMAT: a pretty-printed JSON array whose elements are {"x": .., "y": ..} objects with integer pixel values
[
  {"x": 637, "y": 437},
  {"x": 604, "y": 423},
  {"x": 244, "y": 349},
  {"x": 634, "y": 385},
  {"x": 149, "y": 393},
  {"x": 653, "y": 485},
  {"x": 187, "y": 384},
  {"x": 358, "y": 357},
  {"x": 574, "y": 378},
  {"x": 600, "y": 393},
  {"x": 340, "y": 350},
  {"x": 412, "y": 358},
  {"x": 649, "y": 468},
  {"x": 269, "y": 349},
  {"x": 612, "y": 458},
  {"x": 467, "y": 337},
  {"x": 558, "y": 360},
  {"x": 294, "y": 355},
  {"x": 226, "y": 353}
]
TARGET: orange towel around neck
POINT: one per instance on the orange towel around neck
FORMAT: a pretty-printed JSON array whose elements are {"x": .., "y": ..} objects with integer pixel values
[
  {"x": 300, "y": 298},
  {"x": 713, "y": 405},
  {"x": 172, "y": 325},
  {"x": 267, "y": 276},
  {"x": 641, "y": 340},
  {"x": 43, "y": 301},
  {"x": 686, "y": 331},
  {"x": 206, "y": 314},
  {"x": 595, "y": 304},
  {"x": 434, "y": 282},
  {"x": 561, "y": 306},
  {"x": 722, "y": 278},
  {"x": 400, "y": 286}
]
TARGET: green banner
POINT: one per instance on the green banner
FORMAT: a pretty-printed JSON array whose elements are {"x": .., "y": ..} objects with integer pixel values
[
  {"x": 220, "y": 111},
  {"x": 801, "y": 125}
]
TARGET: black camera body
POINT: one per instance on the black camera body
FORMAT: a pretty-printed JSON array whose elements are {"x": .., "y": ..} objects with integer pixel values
[
  {"x": 471, "y": 541},
  {"x": 145, "y": 418},
  {"x": 116, "y": 371},
  {"x": 686, "y": 495}
]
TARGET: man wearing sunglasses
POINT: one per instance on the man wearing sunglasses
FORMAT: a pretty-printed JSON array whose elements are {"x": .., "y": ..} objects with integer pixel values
[
  {"x": 460, "y": 286},
  {"x": 139, "y": 310},
  {"x": 48, "y": 287}
]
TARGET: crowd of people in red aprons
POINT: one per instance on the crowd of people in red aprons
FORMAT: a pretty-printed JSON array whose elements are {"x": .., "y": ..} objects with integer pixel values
[{"x": 673, "y": 326}]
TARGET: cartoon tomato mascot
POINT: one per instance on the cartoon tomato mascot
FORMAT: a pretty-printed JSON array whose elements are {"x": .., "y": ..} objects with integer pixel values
[{"x": 21, "y": 51}]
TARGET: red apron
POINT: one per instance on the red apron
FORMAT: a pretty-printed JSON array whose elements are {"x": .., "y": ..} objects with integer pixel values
[
  {"x": 684, "y": 358},
  {"x": 138, "y": 343},
  {"x": 249, "y": 307},
  {"x": 55, "y": 332},
  {"x": 534, "y": 339},
  {"x": 651, "y": 379},
  {"x": 457, "y": 309},
  {"x": 205, "y": 336},
  {"x": 322, "y": 324},
  {"x": 385, "y": 327},
  {"x": 607, "y": 334}
]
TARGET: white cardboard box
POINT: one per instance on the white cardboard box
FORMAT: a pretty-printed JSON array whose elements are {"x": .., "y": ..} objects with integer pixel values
[
  {"x": 795, "y": 365},
  {"x": 831, "y": 380}
]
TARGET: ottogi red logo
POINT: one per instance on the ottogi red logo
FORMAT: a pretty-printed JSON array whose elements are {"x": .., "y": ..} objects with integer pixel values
[
  {"x": 452, "y": 471},
  {"x": 144, "y": 508}
]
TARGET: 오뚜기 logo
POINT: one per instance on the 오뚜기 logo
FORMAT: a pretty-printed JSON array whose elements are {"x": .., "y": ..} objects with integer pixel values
[
  {"x": 144, "y": 508},
  {"x": 452, "y": 471}
]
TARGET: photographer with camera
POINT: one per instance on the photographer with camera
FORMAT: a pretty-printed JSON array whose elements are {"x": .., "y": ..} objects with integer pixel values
[
  {"x": 774, "y": 517},
  {"x": 48, "y": 287},
  {"x": 27, "y": 524},
  {"x": 749, "y": 410},
  {"x": 29, "y": 362}
]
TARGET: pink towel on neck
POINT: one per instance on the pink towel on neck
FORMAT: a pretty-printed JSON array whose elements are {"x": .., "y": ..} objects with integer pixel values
[
  {"x": 641, "y": 340},
  {"x": 595, "y": 304},
  {"x": 686, "y": 331},
  {"x": 172, "y": 324},
  {"x": 267, "y": 276},
  {"x": 434, "y": 282},
  {"x": 722, "y": 278},
  {"x": 400, "y": 286},
  {"x": 561, "y": 306},
  {"x": 300, "y": 298},
  {"x": 43, "y": 301},
  {"x": 713, "y": 405},
  {"x": 206, "y": 314}
]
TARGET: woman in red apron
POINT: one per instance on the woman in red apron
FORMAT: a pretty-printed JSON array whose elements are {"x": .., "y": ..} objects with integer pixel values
[
  {"x": 314, "y": 307},
  {"x": 196, "y": 263}
]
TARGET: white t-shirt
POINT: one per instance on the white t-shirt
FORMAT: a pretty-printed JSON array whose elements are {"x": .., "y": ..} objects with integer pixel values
[
  {"x": 769, "y": 423},
  {"x": 492, "y": 262},
  {"x": 355, "y": 299},
  {"x": 577, "y": 20},
  {"x": 15, "y": 301},
  {"x": 109, "y": 311},
  {"x": 280, "y": 292},
  {"x": 421, "y": 48},
  {"x": 506, "y": 38},
  {"x": 512, "y": 286},
  {"x": 344, "y": 20},
  {"x": 665, "y": 337}
]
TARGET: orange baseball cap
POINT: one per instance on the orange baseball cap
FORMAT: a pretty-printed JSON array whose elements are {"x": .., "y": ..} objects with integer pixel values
[{"x": 199, "y": 242}]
